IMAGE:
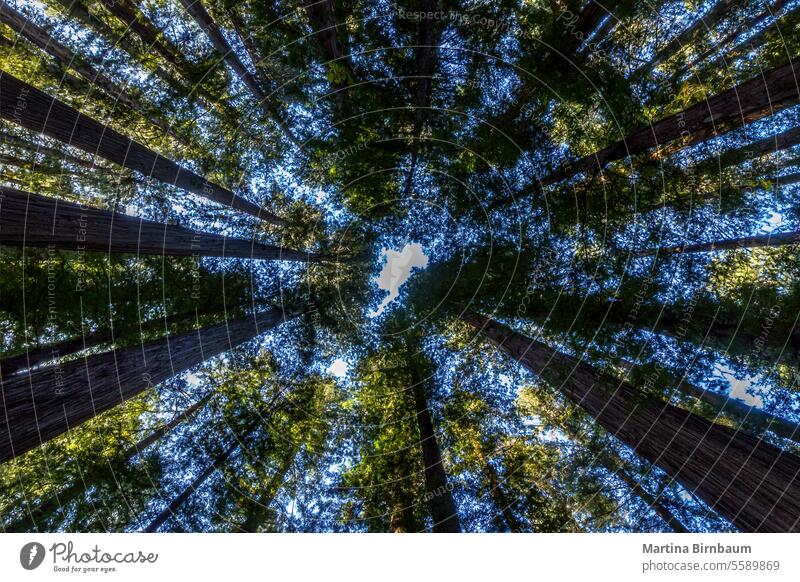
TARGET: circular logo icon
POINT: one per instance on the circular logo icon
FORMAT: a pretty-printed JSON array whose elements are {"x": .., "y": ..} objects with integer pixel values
[{"x": 31, "y": 555}]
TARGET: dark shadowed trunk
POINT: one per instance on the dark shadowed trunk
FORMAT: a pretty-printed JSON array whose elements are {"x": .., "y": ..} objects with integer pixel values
[
  {"x": 748, "y": 416},
  {"x": 747, "y": 242},
  {"x": 754, "y": 485},
  {"x": 655, "y": 504},
  {"x": 69, "y": 60},
  {"x": 764, "y": 95},
  {"x": 44, "y": 404},
  {"x": 25, "y": 105},
  {"x": 211, "y": 29},
  {"x": 747, "y": 24},
  {"x": 176, "y": 503},
  {"x": 333, "y": 43},
  {"x": 32, "y": 220},
  {"x": 438, "y": 492},
  {"x": 689, "y": 36},
  {"x": 36, "y": 356},
  {"x": 258, "y": 512},
  {"x": 47, "y": 508}
]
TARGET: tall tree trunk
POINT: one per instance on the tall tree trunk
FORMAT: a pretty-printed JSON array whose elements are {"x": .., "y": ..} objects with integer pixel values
[
  {"x": 749, "y": 416},
  {"x": 426, "y": 62},
  {"x": 69, "y": 60},
  {"x": 34, "y": 357},
  {"x": 749, "y": 23},
  {"x": 257, "y": 514},
  {"x": 754, "y": 485},
  {"x": 44, "y": 510},
  {"x": 499, "y": 498},
  {"x": 653, "y": 502},
  {"x": 333, "y": 44},
  {"x": 50, "y": 153},
  {"x": 176, "y": 503},
  {"x": 44, "y": 404},
  {"x": 32, "y": 220},
  {"x": 688, "y": 37},
  {"x": 754, "y": 41},
  {"x": 75, "y": 9},
  {"x": 439, "y": 498},
  {"x": 764, "y": 95},
  {"x": 211, "y": 29},
  {"x": 747, "y": 242},
  {"x": 25, "y": 105}
]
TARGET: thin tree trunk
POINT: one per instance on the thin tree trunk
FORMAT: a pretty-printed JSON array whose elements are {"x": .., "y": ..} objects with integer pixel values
[
  {"x": 511, "y": 522},
  {"x": 75, "y": 9},
  {"x": 439, "y": 498},
  {"x": 426, "y": 62},
  {"x": 752, "y": 100},
  {"x": 50, "y": 153},
  {"x": 44, "y": 404},
  {"x": 785, "y": 23},
  {"x": 31, "y": 220},
  {"x": 332, "y": 42},
  {"x": 752, "y": 484},
  {"x": 25, "y": 105},
  {"x": 44, "y": 510},
  {"x": 42, "y": 39},
  {"x": 211, "y": 29},
  {"x": 688, "y": 37},
  {"x": 654, "y": 503},
  {"x": 747, "y": 242},
  {"x": 34, "y": 357},
  {"x": 256, "y": 515},
  {"x": 747, "y": 24},
  {"x": 744, "y": 414},
  {"x": 176, "y": 503}
]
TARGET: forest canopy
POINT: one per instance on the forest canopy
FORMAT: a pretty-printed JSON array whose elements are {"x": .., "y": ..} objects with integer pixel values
[{"x": 444, "y": 266}]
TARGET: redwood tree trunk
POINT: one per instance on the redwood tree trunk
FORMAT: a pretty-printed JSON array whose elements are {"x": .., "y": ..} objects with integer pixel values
[
  {"x": 747, "y": 242},
  {"x": 25, "y": 105},
  {"x": 653, "y": 502},
  {"x": 42, "y": 39},
  {"x": 764, "y": 95},
  {"x": 176, "y": 503},
  {"x": 439, "y": 497},
  {"x": 44, "y": 510},
  {"x": 211, "y": 29},
  {"x": 754, "y": 485},
  {"x": 34, "y": 357},
  {"x": 32, "y": 220},
  {"x": 742, "y": 413},
  {"x": 44, "y": 404}
]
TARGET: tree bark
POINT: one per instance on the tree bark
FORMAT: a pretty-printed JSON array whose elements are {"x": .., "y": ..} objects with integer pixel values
[
  {"x": 42, "y": 39},
  {"x": 31, "y": 220},
  {"x": 764, "y": 95},
  {"x": 176, "y": 503},
  {"x": 34, "y": 357},
  {"x": 44, "y": 510},
  {"x": 747, "y": 242},
  {"x": 25, "y": 105},
  {"x": 44, "y": 404},
  {"x": 211, "y": 29},
  {"x": 754, "y": 485},
  {"x": 439, "y": 498}
]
